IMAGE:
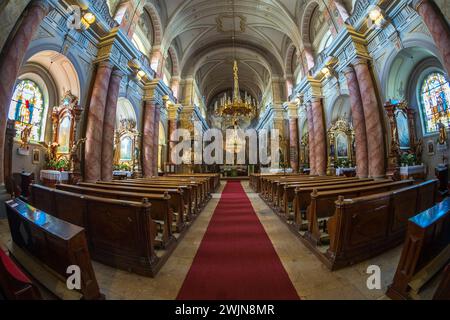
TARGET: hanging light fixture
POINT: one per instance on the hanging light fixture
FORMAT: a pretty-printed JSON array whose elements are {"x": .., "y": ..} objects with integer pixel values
[{"x": 235, "y": 107}]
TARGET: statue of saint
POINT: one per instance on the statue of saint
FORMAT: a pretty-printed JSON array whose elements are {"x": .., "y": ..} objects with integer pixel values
[{"x": 442, "y": 133}]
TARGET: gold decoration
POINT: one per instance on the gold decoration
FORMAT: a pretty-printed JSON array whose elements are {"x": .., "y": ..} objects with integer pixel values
[{"x": 236, "y": 107}]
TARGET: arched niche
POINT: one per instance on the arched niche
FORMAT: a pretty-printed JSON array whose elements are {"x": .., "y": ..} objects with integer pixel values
[
  {"x": 404, "y": 76},
  {"x": 55, "y": 75},
  {"x": 126, "y": 138},
  {"x": 339, "y": 108}
]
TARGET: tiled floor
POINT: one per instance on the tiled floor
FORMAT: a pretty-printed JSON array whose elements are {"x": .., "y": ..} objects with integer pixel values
[{"x": 310, "y": 277}]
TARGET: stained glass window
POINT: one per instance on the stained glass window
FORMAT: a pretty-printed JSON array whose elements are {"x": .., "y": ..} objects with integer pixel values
[
  {"x": 435, "y": 99},
  {"x": 27, "y": 108}
]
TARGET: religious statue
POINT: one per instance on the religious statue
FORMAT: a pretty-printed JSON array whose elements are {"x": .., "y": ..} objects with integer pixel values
[
  {"x": 51, "y": 150},
  {"x": 75, "y": 151},
  {"x": 418, "y": 150},
  {"x": 25, "y": 136},
  {"x": 442, "y": 133}
]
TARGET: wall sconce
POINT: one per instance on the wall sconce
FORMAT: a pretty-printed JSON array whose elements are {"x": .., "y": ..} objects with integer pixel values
[
  {"x": 326, "y": 72},
  {"x": 376, "y": 17},
  {"x": 88, "y": 19},
  {"x": 141, "y": 74}
]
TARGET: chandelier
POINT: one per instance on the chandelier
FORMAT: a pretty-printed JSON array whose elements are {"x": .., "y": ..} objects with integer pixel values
[{"x": 235, "y": 106}]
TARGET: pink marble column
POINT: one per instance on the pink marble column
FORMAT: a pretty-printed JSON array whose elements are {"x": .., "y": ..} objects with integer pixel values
[
  {"x": 293, "y": 142},
  {"x": 320, "y": 136},
  {"x": 372, "y": 116},
  {"x": 148, "y": 139},
  {"x": 311, "y": 141},
  {"x": 438, "y": 26},
  {"x": 359, "y": 123},
  {"x": 94, "y": 129},
  {"x": 11, "y": 60},
  {"x": 156, "y": 139},
  {"x": 173, "y": 126},
  {"x": 109, "y": 123}
]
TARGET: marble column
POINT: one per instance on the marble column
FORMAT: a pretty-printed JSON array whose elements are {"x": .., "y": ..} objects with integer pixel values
[
  {"x": 11, "y": 60},
  {"x": 293, "y": 142},
  {"x": 320, "y": 136},
  {"x": 311, "y": 141},
  {"x": 156, "y": 140},
  {"x": 147, "y": 138},
  {"x": 438, "y": 27},
  {"x": 109, "y": 123},
  {"x": 372, "y": 116},
  {"x": 359, "y": 123},
  {"x": 94, "y": 129}
]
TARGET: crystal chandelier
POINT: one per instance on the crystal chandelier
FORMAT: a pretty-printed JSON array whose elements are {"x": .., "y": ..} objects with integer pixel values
[{"x": 235, "y": 106}]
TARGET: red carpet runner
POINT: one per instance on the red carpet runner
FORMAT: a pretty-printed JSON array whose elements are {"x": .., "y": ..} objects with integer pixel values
[{"x": 236, "y": 259}]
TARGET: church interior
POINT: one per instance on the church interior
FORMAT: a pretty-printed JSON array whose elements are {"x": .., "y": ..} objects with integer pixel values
[{"x": 103, "y": 101}]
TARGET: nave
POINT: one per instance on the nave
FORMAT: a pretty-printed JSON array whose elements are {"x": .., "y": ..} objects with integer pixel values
[{"x": 310, "y": 278}]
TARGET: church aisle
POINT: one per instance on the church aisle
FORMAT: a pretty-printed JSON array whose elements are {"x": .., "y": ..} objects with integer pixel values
[{"x": 236, "y": 259}]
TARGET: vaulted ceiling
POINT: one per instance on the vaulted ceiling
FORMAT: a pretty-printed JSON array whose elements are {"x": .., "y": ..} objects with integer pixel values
[{"x": 267, "y": 32}]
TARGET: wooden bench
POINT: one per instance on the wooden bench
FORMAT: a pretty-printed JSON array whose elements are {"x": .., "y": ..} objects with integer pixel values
[
  {"x": 46, "y": 246},
  {"x": 198, "y": 197},
  {"x": 179, "y": 201},
  {"x": 302, "y": 195},
  {"x": 323, "y": 203},
  {"x": 363, "y": 227},
  {"x": 214, "y": 178},
  {"x": 120, "y": 233},
  {"x": 286, "y": 197},
  {"x": 161, "y": 212},
  {"x": 281, "y": 186},
  {"x": 426, "y": 250}
]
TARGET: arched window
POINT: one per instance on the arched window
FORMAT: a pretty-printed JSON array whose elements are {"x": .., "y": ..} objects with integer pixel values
[
  {"x": 435, "y": 100},
  {"x": 27, "y": 108}
]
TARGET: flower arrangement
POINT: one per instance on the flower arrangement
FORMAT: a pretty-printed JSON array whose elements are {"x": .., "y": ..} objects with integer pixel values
[
  {"x": 408, "y": 159},
  {"x": 122, "y": 167},
  {"x": 342, "y": 163}
]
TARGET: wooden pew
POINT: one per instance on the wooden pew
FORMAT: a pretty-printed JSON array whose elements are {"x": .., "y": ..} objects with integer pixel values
[
  {"x": 161, "y": 208},
  {"x": 268, "y": 183},
  {"x": 199, "y": 198},
  {"x": 176, "y": 201},
  {"x": 186, "y": 192},
  {"x": 365, "y": 226},
  {"x": 425, "y": 251},
  {"x": 214, "y": 178},
  {"x": 120, "y": 233},
  {"x": 56, "y": 244},
  {"x": 322, "y": 203},
  {"x": 302, "y": 194},
  {"x": 202, "y": 183},
  {"x": 14, "y": 284},
  {"x": 287, "y": 195}
]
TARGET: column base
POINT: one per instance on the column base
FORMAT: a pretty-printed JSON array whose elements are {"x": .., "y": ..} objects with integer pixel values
[{"x": 4, "y": 196}]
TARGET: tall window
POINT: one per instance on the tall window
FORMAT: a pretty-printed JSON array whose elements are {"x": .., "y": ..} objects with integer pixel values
[
  {"x": 27, "y": 108},
  {"x": 435, "y": 100}
]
